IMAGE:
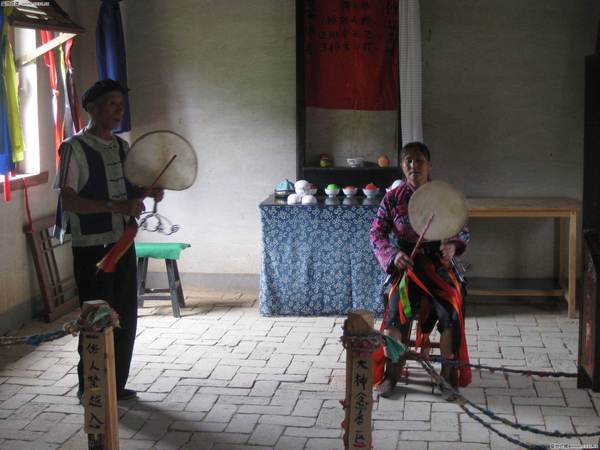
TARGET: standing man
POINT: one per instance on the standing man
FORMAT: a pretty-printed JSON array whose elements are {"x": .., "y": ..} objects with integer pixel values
[{"x": 97, "y": 202}]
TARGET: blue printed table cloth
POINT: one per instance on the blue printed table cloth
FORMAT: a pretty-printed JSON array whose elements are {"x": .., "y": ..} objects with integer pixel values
[{"x": 317, "y": 259}]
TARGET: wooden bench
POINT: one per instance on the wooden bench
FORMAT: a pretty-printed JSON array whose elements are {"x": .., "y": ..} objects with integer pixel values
[{"x": 564, "y": 211}]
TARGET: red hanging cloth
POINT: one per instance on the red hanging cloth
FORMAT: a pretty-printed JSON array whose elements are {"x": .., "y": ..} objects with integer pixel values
[
  {"x": 50, "y": 62},
  {"x": 351, "y": 54},
  {"x": 71, "y": 91}
]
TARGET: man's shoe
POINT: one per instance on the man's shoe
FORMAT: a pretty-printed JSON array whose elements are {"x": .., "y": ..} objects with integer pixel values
[{"x": 126, "y": 394}]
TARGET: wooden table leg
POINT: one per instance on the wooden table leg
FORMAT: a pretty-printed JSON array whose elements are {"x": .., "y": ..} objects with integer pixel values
[
  {"x": 572, "y": 264},
  {"x": 560, "y": 263},
  {"x": 173, "y": 287},
  {"x": 142, "y": 271}
]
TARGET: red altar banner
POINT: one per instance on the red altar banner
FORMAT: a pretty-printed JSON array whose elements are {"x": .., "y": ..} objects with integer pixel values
[{"x": 351, "y": 54}]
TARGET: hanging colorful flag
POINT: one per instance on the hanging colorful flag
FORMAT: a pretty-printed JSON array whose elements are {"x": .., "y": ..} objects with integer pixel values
[
  {"x": 67, "y": 126},
  {"x": 351, "y": 54},
  {"x": 6, "y": 164},
  {"x": 71, "y": 90},
  {"x": 110, "y": 52},
  {"x": 12, "y": 104},
  {"x": 12, "y": 148},
  {"x": 50, "y": 62}
]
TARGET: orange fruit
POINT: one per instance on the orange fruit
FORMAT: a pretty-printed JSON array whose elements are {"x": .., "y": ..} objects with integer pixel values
[{"x": 383, "y": 161}]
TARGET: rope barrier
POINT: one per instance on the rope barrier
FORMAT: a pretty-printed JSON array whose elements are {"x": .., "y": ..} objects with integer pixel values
[
  {"x": 526, "y": 372},
  {"x": 455, "y": 396},
  {"x": 97, "y": 319},
  {"x": 36, "y": 339}
]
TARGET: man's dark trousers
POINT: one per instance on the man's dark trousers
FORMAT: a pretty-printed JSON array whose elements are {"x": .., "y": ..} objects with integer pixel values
[{"x": 119, "y": 289}]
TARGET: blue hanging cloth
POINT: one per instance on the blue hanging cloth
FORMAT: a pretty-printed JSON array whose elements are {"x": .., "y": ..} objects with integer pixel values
[
  {"x": 6, "y": 164},
  {"x": 110, "y": 52}
]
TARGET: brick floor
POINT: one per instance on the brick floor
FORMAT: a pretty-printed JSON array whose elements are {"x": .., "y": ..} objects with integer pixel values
[{"x": 223, "y": 377}]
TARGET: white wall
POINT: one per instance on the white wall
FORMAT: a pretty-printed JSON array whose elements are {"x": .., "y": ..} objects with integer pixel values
[
  {"x": 503, "y": 113},
  {"x": 223, "y": 75}
]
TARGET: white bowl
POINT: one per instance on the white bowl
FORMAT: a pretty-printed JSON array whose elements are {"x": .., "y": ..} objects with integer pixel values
[
  {"x": 309, "y": 200},
  {"x": 312, "y": 191},
  {"x": 332, "y": 192},
  {"x": 371, "y": 193},
  {"x": 301, "y": 187},
  {"x": 355, "y": 162},
  {"x": 349, "y": 192}
]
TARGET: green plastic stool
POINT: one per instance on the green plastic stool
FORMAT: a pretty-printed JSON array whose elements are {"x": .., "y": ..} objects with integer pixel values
[{"x": 169, "y": 251}]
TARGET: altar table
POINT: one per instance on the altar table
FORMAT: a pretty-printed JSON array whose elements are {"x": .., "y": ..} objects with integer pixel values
[{"x": 317, "y": 260}]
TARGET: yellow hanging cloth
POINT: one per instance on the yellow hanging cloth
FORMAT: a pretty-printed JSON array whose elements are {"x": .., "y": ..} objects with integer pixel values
[{"x": 11, "y": 95}]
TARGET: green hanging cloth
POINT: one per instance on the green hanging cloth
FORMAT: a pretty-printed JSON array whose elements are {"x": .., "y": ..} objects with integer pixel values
[{"x": 11, "y": 96}]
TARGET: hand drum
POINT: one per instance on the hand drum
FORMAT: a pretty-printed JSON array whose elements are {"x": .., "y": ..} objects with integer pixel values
[
  {"x": 447, "y": 204},
  {"x": 151, "y": 152}
]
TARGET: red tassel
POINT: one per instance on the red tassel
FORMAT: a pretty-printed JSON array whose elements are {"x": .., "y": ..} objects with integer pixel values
[
  {"x": 108, "y": 264},
  {"x": 7, "y": 187}
]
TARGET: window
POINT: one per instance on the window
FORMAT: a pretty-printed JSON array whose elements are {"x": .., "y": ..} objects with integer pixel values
[
  {"x": 25, "y": 43},
  {"x": 25, "y": 19}
]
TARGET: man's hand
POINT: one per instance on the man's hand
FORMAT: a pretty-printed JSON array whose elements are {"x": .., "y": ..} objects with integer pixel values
[
  {"x": 133, "y": 207},
  {"x": 403, "y": 261},
  {"x": 157, "y": 194},
  {"x": 448, "y": 250}
]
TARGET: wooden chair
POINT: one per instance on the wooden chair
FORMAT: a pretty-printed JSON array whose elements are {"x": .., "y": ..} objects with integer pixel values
[{"x": 59, "y": 294}]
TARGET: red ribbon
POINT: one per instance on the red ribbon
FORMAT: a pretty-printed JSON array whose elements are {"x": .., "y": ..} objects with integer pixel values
[{"x": 72, "y": 93}]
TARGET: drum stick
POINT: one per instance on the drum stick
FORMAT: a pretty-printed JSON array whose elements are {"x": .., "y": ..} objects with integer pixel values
[
  {"x": 162, "y": 172},
  {"x": 417, "y": 245}
]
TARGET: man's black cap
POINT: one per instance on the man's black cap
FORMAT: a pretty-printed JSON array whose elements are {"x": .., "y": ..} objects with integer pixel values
[{"x": 99, "y": 88}]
